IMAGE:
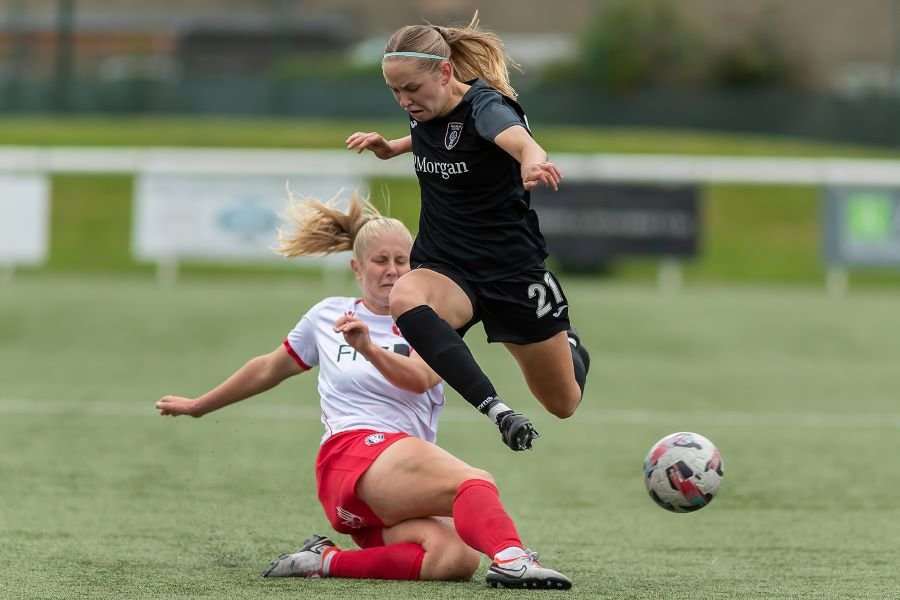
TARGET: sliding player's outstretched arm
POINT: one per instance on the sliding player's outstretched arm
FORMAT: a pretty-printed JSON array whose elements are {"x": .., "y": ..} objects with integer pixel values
[{"x": 256, "y": 376}]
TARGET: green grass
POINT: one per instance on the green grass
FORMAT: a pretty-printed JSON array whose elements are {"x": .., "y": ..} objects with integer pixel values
[
  {"x": 101, "y": 498},
  {"x": 186, "y": 131},
  {"x": 197, "y": 131}
]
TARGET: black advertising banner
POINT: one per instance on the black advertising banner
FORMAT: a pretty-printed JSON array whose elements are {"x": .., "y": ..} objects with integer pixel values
[{"x": 589, "y": 224}]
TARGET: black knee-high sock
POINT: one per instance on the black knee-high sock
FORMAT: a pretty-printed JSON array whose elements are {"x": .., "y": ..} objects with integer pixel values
[
  {"x": 580, "y": 369},
  {"x": 581, "y": 358},
  {"x": 445, "y": 352}
]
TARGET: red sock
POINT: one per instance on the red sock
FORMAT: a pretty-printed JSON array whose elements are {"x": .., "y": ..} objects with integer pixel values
[
  {"x": 480, "y": 519},
  {"x": 394, "y": 561}
]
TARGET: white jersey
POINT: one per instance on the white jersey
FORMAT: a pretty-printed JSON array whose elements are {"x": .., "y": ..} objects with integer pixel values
[{"x": 354, "y": 395}]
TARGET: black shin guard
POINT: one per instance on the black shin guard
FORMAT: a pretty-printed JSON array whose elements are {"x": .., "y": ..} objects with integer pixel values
[{"x": 445, "y": 352}]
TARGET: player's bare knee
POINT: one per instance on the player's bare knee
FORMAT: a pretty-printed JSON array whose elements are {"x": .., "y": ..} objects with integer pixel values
[
  {"x": 401, "y": 300},
  {"x": 473, "y": 473},
  {"x": 564, "y": 408},
  {"x": 469, "y": 563},
  {"x": 447, "y": 557},
  {"x": 462, "y": 562},
  {"x": 451, "y": 560},
  {"x": 456, "y": 477},
  {"x": 561, "y": 399}
]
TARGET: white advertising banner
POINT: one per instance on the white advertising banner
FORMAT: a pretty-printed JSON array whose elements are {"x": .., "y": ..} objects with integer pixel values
[
  {"x": 211, "y": 217},
  {"x": 24, "y": 219}
]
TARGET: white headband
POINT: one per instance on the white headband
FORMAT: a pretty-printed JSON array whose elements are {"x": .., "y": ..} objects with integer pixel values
[{"x": 415, "y": 55}]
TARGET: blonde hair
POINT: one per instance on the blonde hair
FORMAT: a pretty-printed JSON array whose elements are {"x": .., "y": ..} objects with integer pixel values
[
  {"x": 474, "y": 53},
  {"x": 321, "y": 228}
]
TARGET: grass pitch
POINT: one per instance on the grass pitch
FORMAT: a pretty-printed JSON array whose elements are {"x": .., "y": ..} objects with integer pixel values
[{"x": 101, "y": 498}]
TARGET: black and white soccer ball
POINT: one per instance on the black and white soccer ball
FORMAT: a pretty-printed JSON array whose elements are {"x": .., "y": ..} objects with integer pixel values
[{"x": 683, "y": 472}]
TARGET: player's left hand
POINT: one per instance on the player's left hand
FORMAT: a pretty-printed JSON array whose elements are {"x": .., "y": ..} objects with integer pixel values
[
  {"x": 544, "y": 173},
  {"x": 356, "y": 332},
  {"x": 174, "y": 406}
]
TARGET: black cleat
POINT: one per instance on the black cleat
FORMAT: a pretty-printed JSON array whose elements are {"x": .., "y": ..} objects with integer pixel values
[{"x": 516, "y": 430}]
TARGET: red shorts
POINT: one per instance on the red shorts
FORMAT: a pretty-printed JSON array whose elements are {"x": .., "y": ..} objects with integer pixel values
[{"x": 342, "y": 460}]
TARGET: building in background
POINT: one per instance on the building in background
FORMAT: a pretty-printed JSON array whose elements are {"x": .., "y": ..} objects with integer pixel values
[
  {"x": 843, "y": 44},
  {"x": 319, "y": 58}
]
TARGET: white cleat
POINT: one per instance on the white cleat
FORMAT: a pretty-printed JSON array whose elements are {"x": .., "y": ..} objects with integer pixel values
[
  {"x": 525, "y": 572},
  {"x": 305, "y": 562}
]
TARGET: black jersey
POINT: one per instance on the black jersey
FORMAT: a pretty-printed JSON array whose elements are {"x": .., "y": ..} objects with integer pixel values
[{"x": 476, "y": 215}]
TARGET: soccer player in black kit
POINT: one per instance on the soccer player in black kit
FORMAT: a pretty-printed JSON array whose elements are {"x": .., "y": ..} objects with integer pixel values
[{"x": 479, "y": 254}]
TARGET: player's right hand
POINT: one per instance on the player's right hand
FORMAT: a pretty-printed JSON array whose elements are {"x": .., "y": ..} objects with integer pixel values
[
  {"x": 516, "y": 430},
  {"x": 372, "y": 141},
  {"x": 355, "y": 331},
  {"x": 177, "y": 405}
]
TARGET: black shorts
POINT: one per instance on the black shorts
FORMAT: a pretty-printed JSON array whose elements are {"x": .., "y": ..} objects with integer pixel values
[{"x": 526, "y": 308}]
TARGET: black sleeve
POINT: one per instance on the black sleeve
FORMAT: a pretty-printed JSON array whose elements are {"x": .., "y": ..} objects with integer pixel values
[{"x": 492, "y": 115}]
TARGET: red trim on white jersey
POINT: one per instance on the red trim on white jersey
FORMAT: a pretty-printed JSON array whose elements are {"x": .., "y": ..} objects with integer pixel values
[{"x": 293, "y": 354}]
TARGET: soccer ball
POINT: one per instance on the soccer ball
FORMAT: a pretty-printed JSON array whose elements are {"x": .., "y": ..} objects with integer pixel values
[{"x": 683, "y": 472}]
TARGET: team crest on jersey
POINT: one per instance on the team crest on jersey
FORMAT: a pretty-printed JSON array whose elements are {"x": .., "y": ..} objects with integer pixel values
[
  {"x": 454, "y": 132},
  {"x": 375, "y": 438}
]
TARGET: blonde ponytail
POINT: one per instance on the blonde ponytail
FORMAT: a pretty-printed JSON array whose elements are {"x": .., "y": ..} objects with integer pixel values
[
  {"x": 321, "y": 228},
  {"x": 473, "y": 52}
]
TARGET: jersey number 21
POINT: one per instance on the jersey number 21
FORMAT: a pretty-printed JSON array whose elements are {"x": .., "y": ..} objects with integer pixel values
[{"x": 540, "y": 291}]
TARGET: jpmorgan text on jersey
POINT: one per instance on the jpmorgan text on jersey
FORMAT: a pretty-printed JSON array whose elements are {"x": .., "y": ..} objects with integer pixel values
[{"x": 445, "y": 169}]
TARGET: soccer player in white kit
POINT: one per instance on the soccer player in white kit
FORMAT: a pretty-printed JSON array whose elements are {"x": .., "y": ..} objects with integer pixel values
[{"x": 414, "y": 510}]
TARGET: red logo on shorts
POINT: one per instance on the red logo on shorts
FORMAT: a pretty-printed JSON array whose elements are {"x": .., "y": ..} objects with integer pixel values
[{"x": 375, "y": 438}]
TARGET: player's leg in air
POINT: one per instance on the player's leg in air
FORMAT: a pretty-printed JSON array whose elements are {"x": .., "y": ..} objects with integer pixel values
[
  {"x": 548, "y": 367},
  {"x": 431, "y": 310},
  {"x": 529, "y": 313}
]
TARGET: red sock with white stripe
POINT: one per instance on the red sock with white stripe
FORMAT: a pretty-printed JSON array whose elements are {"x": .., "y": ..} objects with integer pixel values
[
  {"x": 394, "y": 561},
  {"x": 481, "y": 521}
]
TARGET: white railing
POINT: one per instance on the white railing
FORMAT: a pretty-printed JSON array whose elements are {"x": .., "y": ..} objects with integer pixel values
[
  {"x": 597, "y": 167},
  {"x": 40, "y": 161}
]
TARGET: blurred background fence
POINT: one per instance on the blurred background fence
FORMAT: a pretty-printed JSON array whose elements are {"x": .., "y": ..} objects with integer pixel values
[
  {"x": 783, "y": 78},
  {"x": 821, "y": 69},
  {"x": 813, "y": 115}
]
